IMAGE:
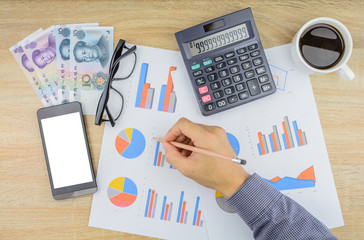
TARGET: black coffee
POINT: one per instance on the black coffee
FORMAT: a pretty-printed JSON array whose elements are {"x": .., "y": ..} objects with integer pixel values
[{"x": 322, "y": 46}]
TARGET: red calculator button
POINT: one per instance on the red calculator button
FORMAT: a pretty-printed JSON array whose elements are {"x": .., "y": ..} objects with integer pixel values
[
  {"x": 203, "y": 89},
  {"x": 206, "y": 98}
]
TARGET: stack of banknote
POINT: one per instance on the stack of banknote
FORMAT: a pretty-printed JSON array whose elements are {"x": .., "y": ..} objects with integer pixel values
[{"x": 66, "y": 63}]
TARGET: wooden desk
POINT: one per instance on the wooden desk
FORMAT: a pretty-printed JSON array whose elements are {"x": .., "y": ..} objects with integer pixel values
[{"x": 27, "y": 209}]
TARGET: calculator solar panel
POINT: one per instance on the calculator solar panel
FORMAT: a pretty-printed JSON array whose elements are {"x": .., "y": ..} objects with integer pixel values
[{"x": 226, "y": 62}]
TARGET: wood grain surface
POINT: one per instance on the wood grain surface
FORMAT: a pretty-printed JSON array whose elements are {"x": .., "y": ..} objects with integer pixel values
[{"x": 27, "y": 209}]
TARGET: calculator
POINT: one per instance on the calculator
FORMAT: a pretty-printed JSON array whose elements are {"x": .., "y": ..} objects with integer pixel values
[{"x": 226, "y": 62}]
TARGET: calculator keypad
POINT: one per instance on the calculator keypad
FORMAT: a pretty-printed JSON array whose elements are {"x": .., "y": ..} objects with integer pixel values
[{"x": 233, "y": 77}]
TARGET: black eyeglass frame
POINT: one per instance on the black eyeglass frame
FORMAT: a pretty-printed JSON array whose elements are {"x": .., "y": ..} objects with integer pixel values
[{"x": 114, "y": 67}]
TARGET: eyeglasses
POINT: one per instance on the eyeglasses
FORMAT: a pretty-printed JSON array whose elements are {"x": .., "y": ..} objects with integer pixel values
[{"x": 128, "y": 58}]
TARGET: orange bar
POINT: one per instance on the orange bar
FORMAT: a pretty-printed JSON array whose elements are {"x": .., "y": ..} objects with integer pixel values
[
  {"x": 151, "y": 204},
  {"x": 286, "y": 135},
  {"x": 261, "y": 142},
  {"x": 183, "y": 212},
  {"x": 159, "y": 159},
  {"x": 274, "y": 142},
  {"x": 166, "y": 212},
  {"x": 144, "y": 95},
  {"x": 300, "y": 136},
  {"x": 198, "y": 218},
  {"x": 168, "y": 90}
]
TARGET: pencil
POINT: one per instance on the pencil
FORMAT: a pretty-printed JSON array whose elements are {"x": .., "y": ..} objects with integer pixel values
[{"x": 203, "y": 151}]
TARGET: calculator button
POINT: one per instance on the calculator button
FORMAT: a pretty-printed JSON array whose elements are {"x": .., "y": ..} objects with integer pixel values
[
  {"x": 243, "y": 95},
  {"x": 203, "y": 90},
  {"x": 206, "y": 98},
  {"x": 234, "y": 69},
  {"x": 241, "y": 50},
  {"x": 232, "y": 99},
  {"x": 229, "y": 90},
  {"x": 220, "y": 65},
  {"x": 218, "y": 58},
  {"x": 221, "y": 103},
  {"x": 197, "y": 73},
  {"x": 226, "y": 82},
  {"x": 266, "y": 87},
  {"x": 223, "y": 73},
  {"x": 195, "y": 66},
  {"x": 237, "y": 78},
  {"x": 253, "y": 47},
  {"x": 249, "y": 74},
  {"x": 207, "y": 62},
  {"x": 209, "y": 69},
  {"x": 212, "y": 77},
  {"x": 240, "y": 87},
  {"x": 218, "y": 94},
  {"x": 200, "y": 81},
  {"x": 255, "y": 53},
  {"x": 253, "y": 87},
  {"x": 263, "y": 79},
  {"x": 260, "y": 70},
  {"x": 246, "y": 65},
  {"x": 244, "y": 57},
  {"x": 215, "y": 85},
  {"x": 230, "y": 55},
  {"x": 231, "y": 61},
  {"x": 257, "y": 61},
  {"x": 210, "y": 106}
]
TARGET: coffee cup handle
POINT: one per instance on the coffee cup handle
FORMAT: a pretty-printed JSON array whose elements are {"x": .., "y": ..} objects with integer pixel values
[{"x": 346, "y": 73}]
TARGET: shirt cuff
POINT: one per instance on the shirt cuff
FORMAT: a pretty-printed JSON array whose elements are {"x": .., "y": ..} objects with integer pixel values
[{"x": 253, "y": 199}]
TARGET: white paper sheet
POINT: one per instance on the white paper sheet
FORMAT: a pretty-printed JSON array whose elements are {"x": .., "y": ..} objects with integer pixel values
[{"x": 294, "y": 99}]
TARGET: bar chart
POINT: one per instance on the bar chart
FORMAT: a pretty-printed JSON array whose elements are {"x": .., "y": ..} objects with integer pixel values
[
  {"x": 274, "y": 139},
  {"x": 145, "y": 94},
  {"x": 167, "y": 98},
  {"x": 159, "y": 158},
  {"x": 197, "y": 221},
  {"x": 151, "y": 205},
  {"x": 167, "y": 209}
]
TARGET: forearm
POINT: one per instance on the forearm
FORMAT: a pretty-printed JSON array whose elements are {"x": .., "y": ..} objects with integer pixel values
[{"x": 272, "y": 215}]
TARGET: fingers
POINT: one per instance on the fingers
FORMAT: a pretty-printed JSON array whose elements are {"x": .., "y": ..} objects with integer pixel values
[
  {"x": 184, "y": 127},
  {"x": 173, "y": 156}
]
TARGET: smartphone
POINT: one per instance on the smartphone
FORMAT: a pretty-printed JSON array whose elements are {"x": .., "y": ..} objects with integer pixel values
[{"x": 66, "y": 150}]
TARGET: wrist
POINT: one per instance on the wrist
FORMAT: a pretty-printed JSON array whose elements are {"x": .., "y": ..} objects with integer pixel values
[{"x": 232, "y": 183}]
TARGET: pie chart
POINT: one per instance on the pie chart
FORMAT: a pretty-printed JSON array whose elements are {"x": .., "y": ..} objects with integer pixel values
[
  {"x": 122, "y": 192},
  {"x": 221, "y": 201},
  {"x": 234, "y": 143},
  {"x": 130, "y": 143}
]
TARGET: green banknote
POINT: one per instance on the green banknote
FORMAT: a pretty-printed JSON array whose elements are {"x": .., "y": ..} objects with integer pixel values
[
  {"x": 63, "y": 35},
  {"x": 91, "y": 52}
]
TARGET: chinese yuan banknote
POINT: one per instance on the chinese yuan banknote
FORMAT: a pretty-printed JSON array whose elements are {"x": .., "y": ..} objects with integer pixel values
[
  {"x": 41, "y": 52},
  {"x": 91, "y": 52},
  {"x": 28, "y": 68},
  {"x": 63, "y": 34}
]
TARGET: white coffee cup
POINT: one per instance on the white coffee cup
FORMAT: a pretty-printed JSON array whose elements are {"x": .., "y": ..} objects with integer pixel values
[{"x": 340, "y": 68}]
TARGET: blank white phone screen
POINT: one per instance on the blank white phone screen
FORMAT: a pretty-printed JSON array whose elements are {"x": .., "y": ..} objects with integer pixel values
[{"x": 66, "y": 148}]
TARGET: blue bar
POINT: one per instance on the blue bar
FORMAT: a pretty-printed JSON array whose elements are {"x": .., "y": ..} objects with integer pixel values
[
  {"x": 271, "y": 142},
  {"x": 284, "y": 141},
  {"x": 148, "y": 200},
  {"x": 170, "y": 166},
  {"x": 180, "y": 206},
  {"x": 156, "y": 154},
  {"x": 296, "y": 133},
  {"x": 196, "y": 210},
  {"x": 142, "y": 78},
  {"x": 162, "y": 97},
  {"x": 163, "y": 207},
  {"x": 259, "y": 149}
]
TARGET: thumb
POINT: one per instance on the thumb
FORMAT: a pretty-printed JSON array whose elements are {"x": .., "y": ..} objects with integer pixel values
[{"x": 173, "y": 156}]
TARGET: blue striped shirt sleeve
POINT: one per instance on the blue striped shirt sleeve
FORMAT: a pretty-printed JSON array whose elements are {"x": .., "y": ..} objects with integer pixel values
[{"x": 272, "y": 215}]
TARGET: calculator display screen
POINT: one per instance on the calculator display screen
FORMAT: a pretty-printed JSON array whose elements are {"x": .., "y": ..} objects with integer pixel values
[{"x": 219, "y": 40}]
